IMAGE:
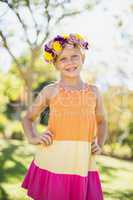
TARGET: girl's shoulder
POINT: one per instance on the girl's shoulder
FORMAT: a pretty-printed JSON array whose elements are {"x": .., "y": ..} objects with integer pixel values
[
  {"x": 95, "y": 88},
  {"x": 50, "y": 90}
]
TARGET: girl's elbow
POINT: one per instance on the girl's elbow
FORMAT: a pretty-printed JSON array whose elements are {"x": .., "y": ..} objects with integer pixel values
[{"x": 26, "y": 119}]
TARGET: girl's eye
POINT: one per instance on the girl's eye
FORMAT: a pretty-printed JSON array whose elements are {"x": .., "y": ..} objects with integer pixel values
[
  {"x": 62, "y": 59},
  {"x": 75, "y": 56}
]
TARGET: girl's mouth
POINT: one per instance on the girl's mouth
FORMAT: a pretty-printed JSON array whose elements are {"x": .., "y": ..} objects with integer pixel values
[{"x": 71, "y": 69}]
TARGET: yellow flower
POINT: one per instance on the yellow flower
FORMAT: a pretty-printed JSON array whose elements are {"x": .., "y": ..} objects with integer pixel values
[
  {"x": 65, "y": 36},
  {"x": 57, "y": 46},
  {"x": 48, "y": 56},
  {"x": 78, "y": 36}
]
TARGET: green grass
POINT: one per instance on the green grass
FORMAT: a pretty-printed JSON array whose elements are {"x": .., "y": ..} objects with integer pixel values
[{"x": 116, "y": 175}]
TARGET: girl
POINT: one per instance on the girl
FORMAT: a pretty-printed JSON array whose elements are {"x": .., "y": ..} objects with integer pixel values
[{"x": 64, "y": 166}]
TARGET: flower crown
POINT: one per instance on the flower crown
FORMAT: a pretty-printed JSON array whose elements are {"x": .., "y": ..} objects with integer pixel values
[{"x": 55, "y": 46}]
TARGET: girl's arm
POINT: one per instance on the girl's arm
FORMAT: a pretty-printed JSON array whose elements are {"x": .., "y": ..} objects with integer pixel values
[
  {"x": 101, "y": 117},
  {"x": 28, "y": 121}
]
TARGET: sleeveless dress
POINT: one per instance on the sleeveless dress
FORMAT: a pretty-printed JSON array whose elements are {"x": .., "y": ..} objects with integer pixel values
[{"x": 66, "y": 169}]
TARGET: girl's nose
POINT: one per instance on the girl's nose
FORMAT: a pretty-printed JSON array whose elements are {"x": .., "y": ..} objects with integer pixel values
[{"x": 70, "y": 61}]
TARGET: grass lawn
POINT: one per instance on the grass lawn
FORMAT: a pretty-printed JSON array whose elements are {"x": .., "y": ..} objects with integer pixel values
[{"x": 116, "y": 175}]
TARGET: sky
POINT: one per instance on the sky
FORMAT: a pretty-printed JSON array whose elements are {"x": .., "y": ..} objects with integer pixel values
[{"x": 110, "y": 51}]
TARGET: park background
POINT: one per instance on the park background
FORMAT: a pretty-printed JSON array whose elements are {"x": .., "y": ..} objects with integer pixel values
[{"x": 24, "y": 27}]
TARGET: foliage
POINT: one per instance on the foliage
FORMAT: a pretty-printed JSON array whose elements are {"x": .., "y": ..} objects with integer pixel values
[{"x": 129, "y": 139}]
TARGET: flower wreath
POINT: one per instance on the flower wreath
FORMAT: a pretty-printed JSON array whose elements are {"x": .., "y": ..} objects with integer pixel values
[{"x": 55, "y": 46}]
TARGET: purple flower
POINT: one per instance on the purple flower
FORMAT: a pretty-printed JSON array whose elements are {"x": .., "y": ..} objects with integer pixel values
[
  {"x": 72, "y": 39},
  {"x": 46, "y": 48},
  {"x": 60, "y": 39},
  {"x": 85, "y": 45}
]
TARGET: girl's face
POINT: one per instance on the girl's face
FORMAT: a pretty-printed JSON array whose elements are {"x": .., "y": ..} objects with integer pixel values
[{"x": 70, "y": 61}]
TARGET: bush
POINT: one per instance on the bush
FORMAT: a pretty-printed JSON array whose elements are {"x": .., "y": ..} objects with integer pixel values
[
  {"x": 3, "y": 124},
  {"x": 129, "y": 139},
  {"x": 16, "y": 130}
]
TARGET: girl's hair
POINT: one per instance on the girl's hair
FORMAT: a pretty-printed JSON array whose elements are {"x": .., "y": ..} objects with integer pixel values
[{"x": 55, "y": 46}]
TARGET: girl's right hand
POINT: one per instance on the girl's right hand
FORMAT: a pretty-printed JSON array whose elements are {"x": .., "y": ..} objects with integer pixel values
[{"x": 45, "y": 138}]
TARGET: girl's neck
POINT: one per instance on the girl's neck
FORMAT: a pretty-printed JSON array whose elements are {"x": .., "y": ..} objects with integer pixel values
[{"x": 71, "y": 82}]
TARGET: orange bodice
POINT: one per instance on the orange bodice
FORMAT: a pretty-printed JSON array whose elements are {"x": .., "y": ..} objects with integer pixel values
[{"x": 72, "y": 114}]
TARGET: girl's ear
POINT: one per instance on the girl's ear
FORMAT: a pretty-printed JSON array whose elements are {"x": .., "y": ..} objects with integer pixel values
[
  {"x": 55, "y": 65},
  {"x": 83, "y": 57}
]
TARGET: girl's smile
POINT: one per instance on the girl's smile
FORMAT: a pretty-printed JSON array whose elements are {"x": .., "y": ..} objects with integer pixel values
[{"x": 71, "y": 69}]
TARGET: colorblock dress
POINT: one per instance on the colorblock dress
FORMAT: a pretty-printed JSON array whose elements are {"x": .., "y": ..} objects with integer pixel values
[{"x": 66, "y": 169}]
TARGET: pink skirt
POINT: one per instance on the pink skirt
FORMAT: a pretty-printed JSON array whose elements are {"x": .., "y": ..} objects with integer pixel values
[{"x": 43, "y": 184}]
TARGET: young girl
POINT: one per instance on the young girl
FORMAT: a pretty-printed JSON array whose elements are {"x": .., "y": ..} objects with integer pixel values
[{"x": 64, "y": 165}]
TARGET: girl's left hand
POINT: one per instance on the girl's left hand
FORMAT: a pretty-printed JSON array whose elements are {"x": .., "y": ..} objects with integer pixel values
[{"x": 95, "y": 148}]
